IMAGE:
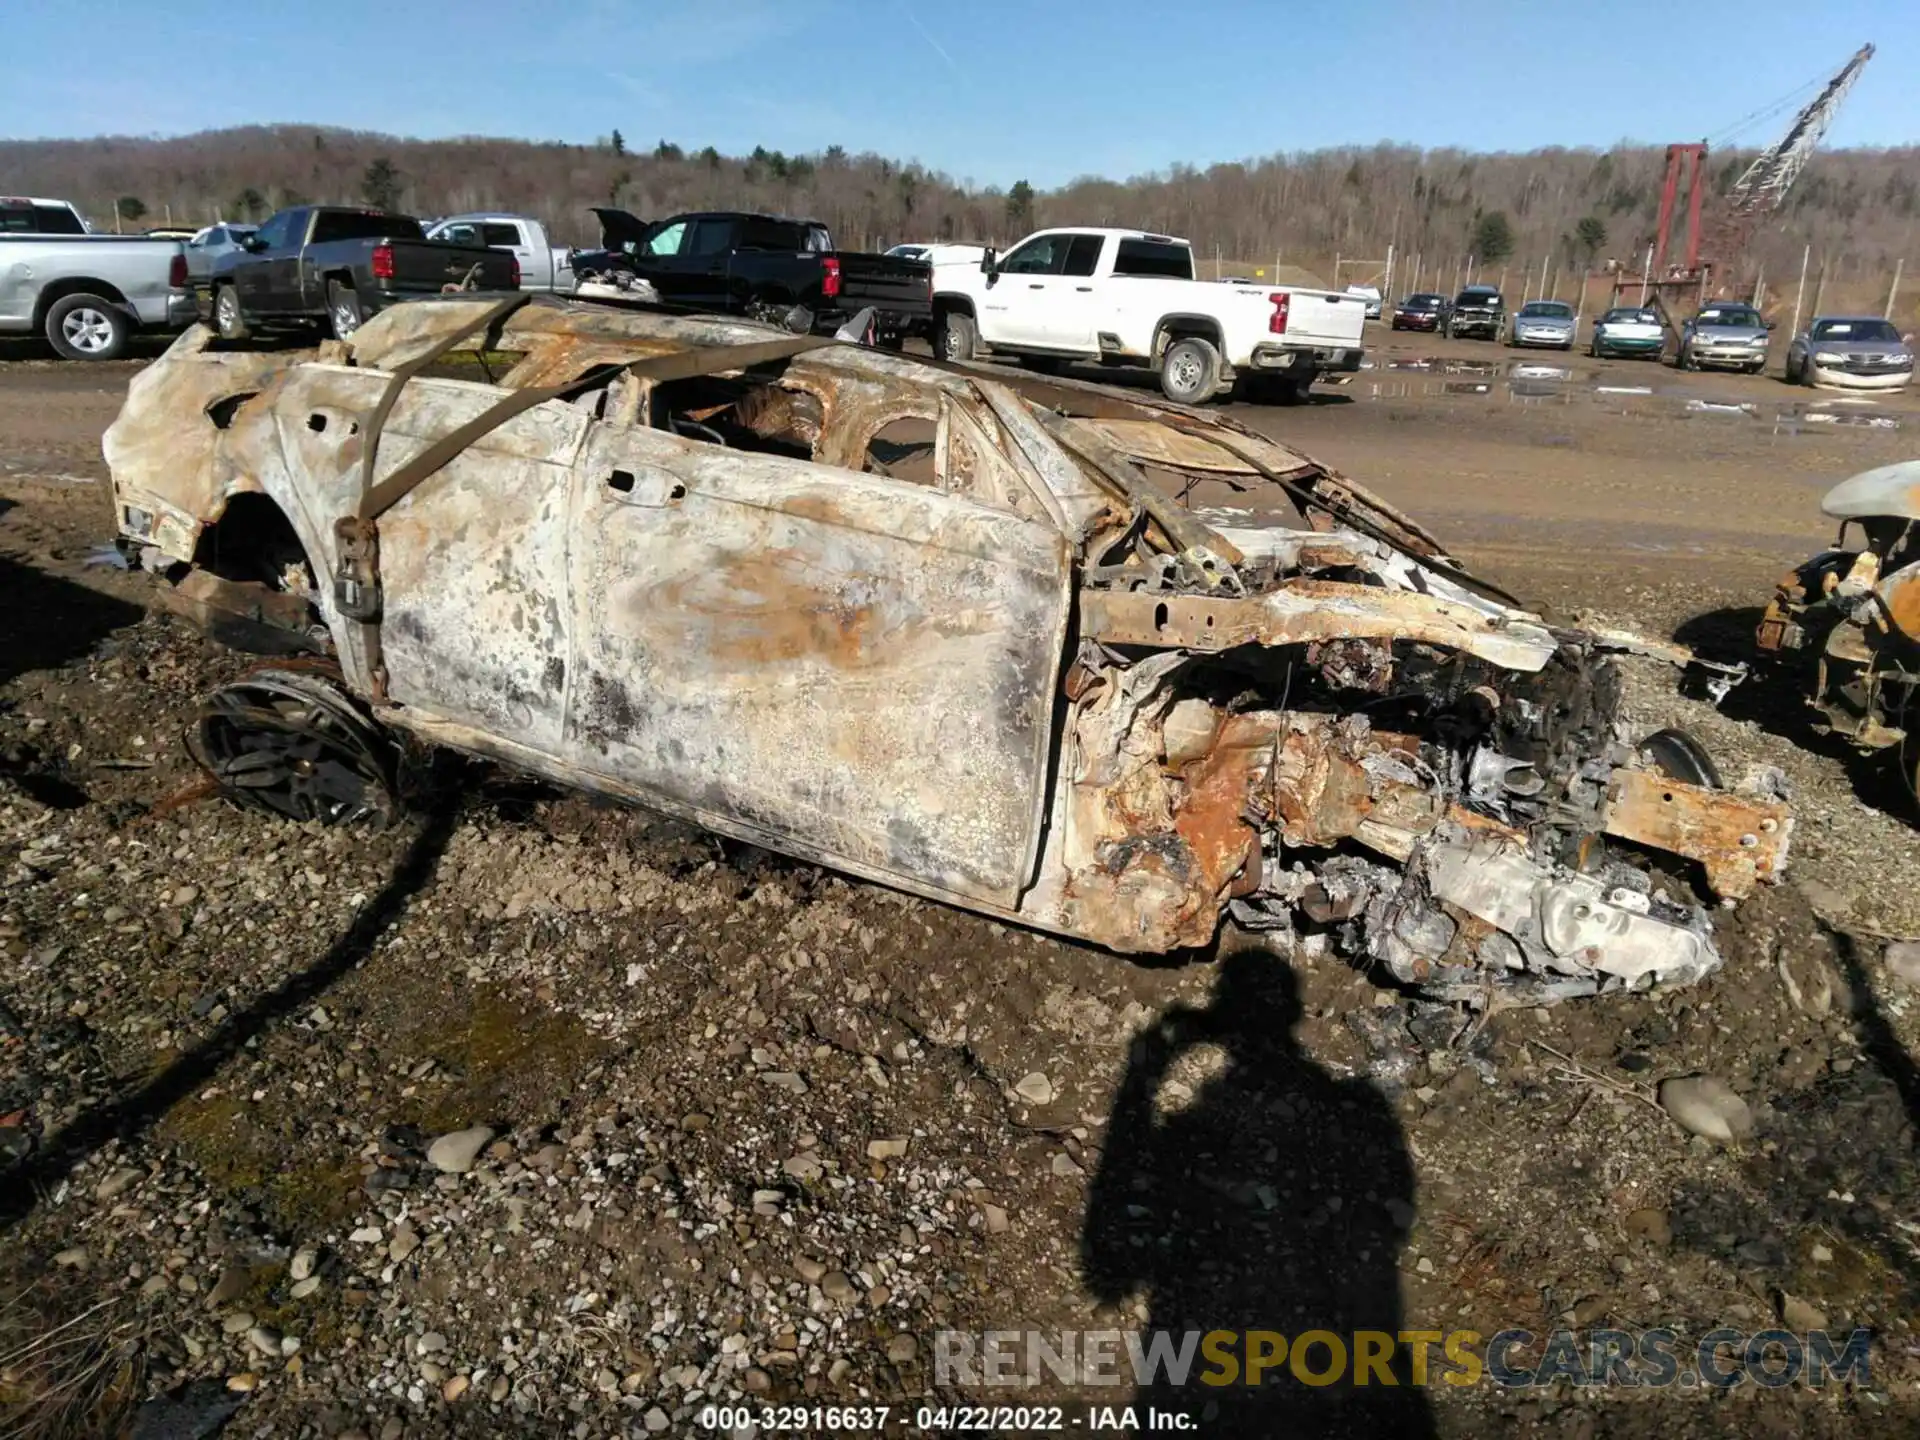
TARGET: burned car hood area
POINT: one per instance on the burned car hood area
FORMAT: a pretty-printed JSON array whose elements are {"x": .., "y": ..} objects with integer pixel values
[{"x": 930, "y": 625}]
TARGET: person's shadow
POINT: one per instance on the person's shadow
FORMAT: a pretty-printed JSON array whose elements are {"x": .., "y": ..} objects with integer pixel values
[{"x": 1275, "y": 1199}]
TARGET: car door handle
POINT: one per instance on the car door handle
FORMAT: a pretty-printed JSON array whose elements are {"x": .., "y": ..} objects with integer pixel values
[
  {"x": 1036, "y": 285},
  {"x": 1084, "y": 289},
  {"x": 645, "y": 485}
]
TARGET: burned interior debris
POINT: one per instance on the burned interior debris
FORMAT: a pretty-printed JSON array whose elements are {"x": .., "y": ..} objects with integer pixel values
[{"x": 930, "y": 625}]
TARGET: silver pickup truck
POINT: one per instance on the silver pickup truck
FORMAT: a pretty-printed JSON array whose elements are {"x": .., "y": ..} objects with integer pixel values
[{"x": 88, "y": 293}]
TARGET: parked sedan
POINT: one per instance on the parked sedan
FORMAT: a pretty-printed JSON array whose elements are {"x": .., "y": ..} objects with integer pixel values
[
  {"x": 1423, "y": 311},
  {"x": 1627, "y": 330},
  {"x": 1371, "y": 295},
  {"x": 1725, "y": 334},
  {"x": 1850, "y": 352},
  {"x": 1543, "y": 322},
  {"x": 210, "y": 244}
]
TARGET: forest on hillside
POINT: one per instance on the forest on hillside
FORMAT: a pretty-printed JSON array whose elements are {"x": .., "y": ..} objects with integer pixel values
[{"x": 1856, "y": 208}]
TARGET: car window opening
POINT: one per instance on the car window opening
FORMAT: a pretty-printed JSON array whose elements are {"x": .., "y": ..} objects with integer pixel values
[
  {"x": 903, "y": 449},
  {"x": 739, "y": 414}
]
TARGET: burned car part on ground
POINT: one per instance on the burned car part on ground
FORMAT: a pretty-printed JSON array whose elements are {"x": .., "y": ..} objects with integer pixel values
[
  {"x": 1856, "y": 612},
  {"x": 943, "y": 631}
]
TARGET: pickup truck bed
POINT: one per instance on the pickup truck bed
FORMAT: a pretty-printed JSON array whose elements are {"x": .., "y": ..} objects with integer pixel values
[
  {"x": 766, "y": 266},
  {"x": 1128, "y": 297},
  {"x": 335, "y": 266},
  {"x": 88, "y": 294}
]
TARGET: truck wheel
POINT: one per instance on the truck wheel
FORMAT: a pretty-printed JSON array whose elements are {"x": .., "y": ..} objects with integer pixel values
[
  {"x": 86, "y": 327},
  {"x": 344, "y": 315},
  {"x": 1190, "y": 371},
  {"x": 228, "y": 322},
  {"x": 955, "y": 336}
]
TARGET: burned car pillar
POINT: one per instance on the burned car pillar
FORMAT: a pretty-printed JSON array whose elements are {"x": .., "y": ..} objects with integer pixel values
[
  {"x": 1854, "y": 612},
  {"x": 949, "y": 633}
]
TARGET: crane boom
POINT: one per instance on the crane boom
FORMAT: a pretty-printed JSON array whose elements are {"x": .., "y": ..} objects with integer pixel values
[{"x": 1764, "y": 184}]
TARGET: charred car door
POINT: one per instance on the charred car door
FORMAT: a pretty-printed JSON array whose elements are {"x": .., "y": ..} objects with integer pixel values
[
  {"x": 840, "y": 665},
  {"x": 473, "y": 563}
]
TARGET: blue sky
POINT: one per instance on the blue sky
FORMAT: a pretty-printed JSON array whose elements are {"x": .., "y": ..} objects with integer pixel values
[{"x": 986, "y": 90}]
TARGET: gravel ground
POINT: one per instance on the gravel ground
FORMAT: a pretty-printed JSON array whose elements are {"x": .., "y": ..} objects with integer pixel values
[{"x": 534, "y": 1116}]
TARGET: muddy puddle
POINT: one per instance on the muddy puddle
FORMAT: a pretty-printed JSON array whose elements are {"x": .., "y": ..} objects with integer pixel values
[{"x": 1547, "y": 382}]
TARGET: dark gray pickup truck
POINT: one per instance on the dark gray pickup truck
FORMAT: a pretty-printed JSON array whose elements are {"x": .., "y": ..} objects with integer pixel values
[{"x": 334, "y": 266}]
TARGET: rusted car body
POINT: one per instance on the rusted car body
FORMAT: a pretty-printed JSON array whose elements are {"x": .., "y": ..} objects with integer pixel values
[
  {"x": 1854, "y": 611},
  {"x": 917, "y": 622}
]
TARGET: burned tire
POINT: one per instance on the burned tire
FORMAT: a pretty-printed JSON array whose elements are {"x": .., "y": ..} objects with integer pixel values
[
  {"x": 955, "y": 336},
  {"x": 1190, "y": 371},
  {"x": 292, "y": 742},
  {"x": 229, "y": 322},
  {"x": 345, "y": 314},
  {"x": 86, "y": 327}
]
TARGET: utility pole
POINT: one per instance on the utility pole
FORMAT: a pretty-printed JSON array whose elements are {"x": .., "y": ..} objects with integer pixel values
[
  {"x": 1893, "y": 290},
  {"x": 1759, "y": 287},
  {"x": 1386, "y": 286},
  {"x": 1646, "y": 278},
  {"x": 1800, "y": 294},
  {"x": 1543, "y": 274},
  {"x": 1820, "y": 286}
]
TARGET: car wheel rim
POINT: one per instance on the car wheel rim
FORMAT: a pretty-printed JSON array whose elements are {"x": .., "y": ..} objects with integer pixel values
[
  {"x": 88, "y": 330},
  {"x": 1186, "y": 374},
  {"x": 293, "y": 744},
  {"x": 226, "y": 314},
  {"x": 345, "y": 322}
]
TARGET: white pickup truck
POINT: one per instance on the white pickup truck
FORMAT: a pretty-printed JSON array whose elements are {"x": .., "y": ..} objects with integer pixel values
[
  {"x": 87, "y": 293},
  {"x": 543, "y": 265},
  {"x": 1126, "y": 297}
]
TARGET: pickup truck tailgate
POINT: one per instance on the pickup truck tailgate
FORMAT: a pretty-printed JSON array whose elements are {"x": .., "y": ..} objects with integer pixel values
[
  {"x": 428, "y": 265},
  {"x": 886, "y": 282},
  {"x": 1324, "y": 317}
]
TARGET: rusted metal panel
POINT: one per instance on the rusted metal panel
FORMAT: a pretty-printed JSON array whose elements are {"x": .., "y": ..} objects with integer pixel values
[
  {"x": 1738, "y": 841},
  {"x": 1154, "y": 443},
  {"x": 1303, "y": 611}
]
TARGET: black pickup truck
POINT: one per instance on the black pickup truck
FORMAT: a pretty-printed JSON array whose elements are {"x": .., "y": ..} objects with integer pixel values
[
  {"x": 333, "y": 265},
  {"x": 765, "y": 266}
]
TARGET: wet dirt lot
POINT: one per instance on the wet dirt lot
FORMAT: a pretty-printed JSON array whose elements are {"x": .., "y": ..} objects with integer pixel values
[{"x": 760, "y": 1133}]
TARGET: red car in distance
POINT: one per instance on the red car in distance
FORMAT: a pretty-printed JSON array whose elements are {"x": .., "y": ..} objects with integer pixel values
[{"x": 1420, "y": 312}]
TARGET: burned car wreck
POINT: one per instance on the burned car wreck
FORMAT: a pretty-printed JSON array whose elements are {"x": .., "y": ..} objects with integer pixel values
[
  {"x": 943, "y": 630},
  {"x": 1855, "y": 612}
]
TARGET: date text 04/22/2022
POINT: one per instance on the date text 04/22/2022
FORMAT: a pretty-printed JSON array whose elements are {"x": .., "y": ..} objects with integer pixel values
[{"x": 942, "y": 1419}]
